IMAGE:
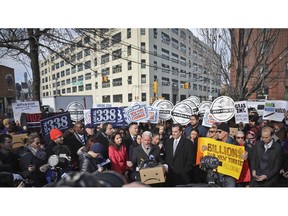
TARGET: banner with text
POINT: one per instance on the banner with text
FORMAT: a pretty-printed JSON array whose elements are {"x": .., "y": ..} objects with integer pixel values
[
  {"x": 274, "y": 110},
  {"x": 230, "y": 155}
]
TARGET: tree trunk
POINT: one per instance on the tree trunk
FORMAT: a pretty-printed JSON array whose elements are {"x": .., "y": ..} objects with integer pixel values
[{"x": 34, "y": 56}]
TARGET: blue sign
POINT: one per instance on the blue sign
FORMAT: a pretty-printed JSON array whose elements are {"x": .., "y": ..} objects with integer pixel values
[
  {"x": 113, "y": 115},
  {"x": 62, "y": 122}
]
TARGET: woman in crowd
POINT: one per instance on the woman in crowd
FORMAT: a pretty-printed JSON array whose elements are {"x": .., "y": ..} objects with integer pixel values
[{"x": 118, "y": 155}]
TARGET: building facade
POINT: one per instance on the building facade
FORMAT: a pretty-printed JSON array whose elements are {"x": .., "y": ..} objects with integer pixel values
[
  {"x": 7, "y": 90},
  {"x": 120, "y": 65},
  {"x": 262, "y": 58}
]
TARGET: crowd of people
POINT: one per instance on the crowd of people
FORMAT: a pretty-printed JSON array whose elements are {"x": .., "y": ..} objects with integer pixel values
[{"x": 106, "y": 156}]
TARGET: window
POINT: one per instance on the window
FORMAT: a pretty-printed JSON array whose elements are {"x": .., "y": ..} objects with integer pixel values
[
  {"x": 116, "y": 54},
  {"x": 79, "y": 55},
  {"x": 143, "y": 96},
  {"x": 175, "y": 43},
  {"x": 80, "y": 78},
  {"x": 129, "y": 65},
  {"x": 116, "y": 38},
  {"x": 96, "y": 85},
  {"x": 105, "y": 43},
  {"x": 129, "y": 50},
  {"x": 74, "y": 89},
  {"x": 68, "y": 81},
  {"x": 62, "y": 63},
  {"x": 183, "y": 35},
  {"x": 143, "y": 63},
  {"x": 182, "y": 47},
  {"x": 165, "y": 68},
  {"x": 68, "y": 90},
  {"x": 165, "y": 54},
  {"x": 73, "y": 69},
  {"x": 175, "y": 58},
  {"x": 86, "y": 40},
  {"x": 130, "y": 97},
  {"x": 80, "y": 67},
  {"x": 183, "y": 61},
  {"x": 87, "y": 76},
  {"x": 129, "y": 80},
  {"x": 63, "y": 82},
  {"x": 117, "y": 68},
  {"x": 106, "y": 98},
  {"x": 95, "y": 61},
  {"x": 87, "y": 52},
  {"x": 155, "y": 31},
  {"x": 62, "y": 73},
  {"x": 175, "y": 30},
  {"x": 67, "y": 71},
  {"x": 105, "y": 58},
  {"x": 143, "y": 78},
  {"x": 118, "y": 98},
  {"x": 117, "y": 82},
  {"x": 88, "y": 86},
  {"x": 142, "y": 31},
  {"x": 105, "y": 71},
  {"x": 87, "y": 64},
  {"x": 155, "y": 50},
  {"x": 165, "y": 38},
  {"x": 74, "y": 79},
  {"x": 155, "y": 65},
  {"x": 63, "y": 91},
  {"x": 58, "y": 75},
  {"x": 143, "y": 47},
  {"x": 129, "y": 33}
]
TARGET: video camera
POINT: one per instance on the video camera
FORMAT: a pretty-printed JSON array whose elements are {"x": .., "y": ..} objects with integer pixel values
[{"x": 209, "y": 163}]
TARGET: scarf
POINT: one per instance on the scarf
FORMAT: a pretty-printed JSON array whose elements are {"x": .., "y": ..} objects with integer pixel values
[{"x": 38, "y": 153}]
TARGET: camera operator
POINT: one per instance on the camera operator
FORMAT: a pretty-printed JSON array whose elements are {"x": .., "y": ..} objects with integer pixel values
[
  {"x": 223, "y": 136},
  {"x": 144, "y": 152}
]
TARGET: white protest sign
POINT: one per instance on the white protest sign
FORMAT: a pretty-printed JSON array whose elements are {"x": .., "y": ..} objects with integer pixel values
[
  {"x": 241, "y": 112},
  {"x": 274, "y": 110},
  {"x": 222, "y": 108},
  {"x": 137, "y": 112},
  {"x": 25, "y": 107},
  {"x": 208, "y": 119}
]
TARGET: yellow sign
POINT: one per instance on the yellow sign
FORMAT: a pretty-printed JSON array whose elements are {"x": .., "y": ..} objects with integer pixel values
[{"x": 230, "y": 155}]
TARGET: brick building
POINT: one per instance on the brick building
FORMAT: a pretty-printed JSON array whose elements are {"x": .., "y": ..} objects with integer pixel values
[
  {"x": 276, "y": 86},
  {"x": 7, "y": 89}
]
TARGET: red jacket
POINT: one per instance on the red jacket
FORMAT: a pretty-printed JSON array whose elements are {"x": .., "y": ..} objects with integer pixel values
[{"x": 118, "y": 159}]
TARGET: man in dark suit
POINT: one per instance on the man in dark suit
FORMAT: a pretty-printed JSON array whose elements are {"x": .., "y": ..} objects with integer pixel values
[
  {"x": 103, "y": 137},
  {"x": 267, "y": 160},
  {"x": 75, "y": 141},
  {"x": 180, "y": 156},
  {"x": 130, "y": 139},
  {"x": 144, "y": 152}
]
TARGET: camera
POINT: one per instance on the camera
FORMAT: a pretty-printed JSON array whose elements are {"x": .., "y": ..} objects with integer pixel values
[{"x": 209, "y": 163}]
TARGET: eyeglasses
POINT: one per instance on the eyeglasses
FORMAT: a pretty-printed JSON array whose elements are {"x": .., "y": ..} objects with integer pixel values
[
  {"x": 239, "y": 137},
  {"x": 219, "y": 131},
  {"x": 251, "y": 133},
  {"x": 212, "y": 131}
]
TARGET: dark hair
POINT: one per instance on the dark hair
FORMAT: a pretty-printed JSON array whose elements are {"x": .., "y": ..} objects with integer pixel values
[
  {"x": 112, "y": 142},
  {"x": 132, "y": 123},
  {"x": 195, "y": 129},
  {"x": 196, "y": 116},
  {"x": 253, "y": 118},
  {"x": 104, "y": 126},
  {"x": 179, "y": 126}
]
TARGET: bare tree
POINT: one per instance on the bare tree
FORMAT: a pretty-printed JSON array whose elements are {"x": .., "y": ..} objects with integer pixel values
[{"x": 247, "y": 59}]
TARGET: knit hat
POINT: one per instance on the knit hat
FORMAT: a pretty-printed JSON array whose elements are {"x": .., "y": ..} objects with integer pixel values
[
  {"x": 96, "y": 148},
  {"x": 224, "y": 127},
  {"x": 55, "y": 133},
  {"x": 254, "y": 130}
]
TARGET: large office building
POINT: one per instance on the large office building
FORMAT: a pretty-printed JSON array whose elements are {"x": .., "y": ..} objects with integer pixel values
[{"x": 122, "y": 65}]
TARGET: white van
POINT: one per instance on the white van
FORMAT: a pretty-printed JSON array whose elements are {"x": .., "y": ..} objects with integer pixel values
[{"x": 258, "y": 105}]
